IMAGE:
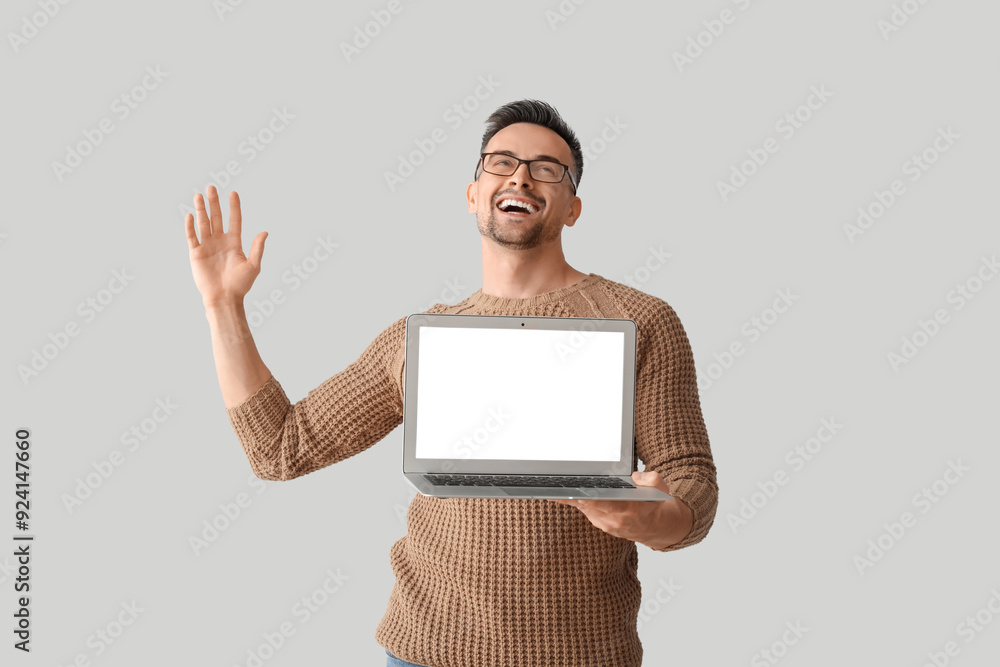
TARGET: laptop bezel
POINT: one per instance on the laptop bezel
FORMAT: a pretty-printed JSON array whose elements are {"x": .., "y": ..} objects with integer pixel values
[{"x": 623, "y": 466}]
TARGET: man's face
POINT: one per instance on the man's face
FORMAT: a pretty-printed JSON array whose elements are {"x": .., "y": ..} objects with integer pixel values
[{"x": 555, "y": 202}]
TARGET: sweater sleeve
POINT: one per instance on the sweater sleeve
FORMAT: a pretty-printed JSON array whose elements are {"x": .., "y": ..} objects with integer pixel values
[
  {"x": 345, "y": 415},
  {"x": 669, "y": 428}
]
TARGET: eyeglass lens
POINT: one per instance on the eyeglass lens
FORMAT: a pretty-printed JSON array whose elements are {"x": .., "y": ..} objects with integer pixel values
[{"x": 540, "y": 170}]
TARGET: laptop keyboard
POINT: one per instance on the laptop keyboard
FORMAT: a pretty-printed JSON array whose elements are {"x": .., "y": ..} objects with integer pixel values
[{"x": 599, "y": 482}]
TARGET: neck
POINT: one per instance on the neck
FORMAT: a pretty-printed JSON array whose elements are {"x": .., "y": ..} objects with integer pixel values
[
  {"x": 519, "y": 274},
  {"x": 525, "y": 282}
]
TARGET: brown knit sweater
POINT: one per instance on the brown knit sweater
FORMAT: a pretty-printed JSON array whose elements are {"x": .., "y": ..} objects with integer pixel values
[{"x": 486, "y": 582}]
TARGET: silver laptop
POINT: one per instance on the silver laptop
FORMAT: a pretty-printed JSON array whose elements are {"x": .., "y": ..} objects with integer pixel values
[{"x": 520, "y": 407}]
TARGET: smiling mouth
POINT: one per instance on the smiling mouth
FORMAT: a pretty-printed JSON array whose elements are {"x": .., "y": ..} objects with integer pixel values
[{"x": 516, "y": 208}]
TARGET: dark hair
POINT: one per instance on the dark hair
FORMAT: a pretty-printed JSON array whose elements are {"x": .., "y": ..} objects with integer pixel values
[{"x": 539, "y": 113}]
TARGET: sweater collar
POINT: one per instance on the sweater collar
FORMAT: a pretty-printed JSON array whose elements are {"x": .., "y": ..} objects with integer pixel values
[{"x": 481, "y": 300}]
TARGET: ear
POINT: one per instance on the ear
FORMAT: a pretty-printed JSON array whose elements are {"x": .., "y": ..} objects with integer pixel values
[
  {"x": 471, "y": 194},
  {"x": 575, "y": 208}
]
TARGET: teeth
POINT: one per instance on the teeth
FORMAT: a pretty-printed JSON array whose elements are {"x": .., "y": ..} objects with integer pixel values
[{"x": 506, "y": 202}]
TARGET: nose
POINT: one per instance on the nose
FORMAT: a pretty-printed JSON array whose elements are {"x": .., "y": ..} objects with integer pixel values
[{"x": 521, "y": 175}]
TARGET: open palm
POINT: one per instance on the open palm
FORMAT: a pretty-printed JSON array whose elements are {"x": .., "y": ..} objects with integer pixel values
[{"x": 222, "y": 273}]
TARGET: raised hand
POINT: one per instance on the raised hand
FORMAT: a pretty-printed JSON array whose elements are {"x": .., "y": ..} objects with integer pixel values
[{"x": 222, "y": 273}]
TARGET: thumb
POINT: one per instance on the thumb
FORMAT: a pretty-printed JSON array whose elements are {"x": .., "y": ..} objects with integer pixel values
[
  {"x": 645, "y": 477},
  {"x": 257, "y": 250}
]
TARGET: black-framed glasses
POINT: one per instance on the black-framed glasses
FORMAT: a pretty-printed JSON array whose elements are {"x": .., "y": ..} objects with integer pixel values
[{"x": 544, "y": 170}]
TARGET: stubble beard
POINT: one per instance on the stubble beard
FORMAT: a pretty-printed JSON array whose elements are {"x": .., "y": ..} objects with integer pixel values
[{"x": 513, "y": 234}]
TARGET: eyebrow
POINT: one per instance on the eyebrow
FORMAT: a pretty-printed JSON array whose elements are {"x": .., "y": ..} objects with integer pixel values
[{"x": 537, "y": 157}]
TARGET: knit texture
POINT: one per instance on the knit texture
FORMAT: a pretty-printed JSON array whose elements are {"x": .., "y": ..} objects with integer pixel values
[{"x": 489, "y": 582}]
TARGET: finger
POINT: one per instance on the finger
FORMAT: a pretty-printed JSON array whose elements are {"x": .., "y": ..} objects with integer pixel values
[
  {"x": 204, "y": 225},
  {"x": 602, "y": 506},
  {"x": 213, "y": 206},
  {"x": 257, "y": 250},
  {"x": 235, "y": 216},
  {"x": 189, "y": 229}
]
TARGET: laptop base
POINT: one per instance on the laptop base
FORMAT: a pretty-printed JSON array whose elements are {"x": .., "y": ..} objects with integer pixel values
[{"x": 644, "y": 493}]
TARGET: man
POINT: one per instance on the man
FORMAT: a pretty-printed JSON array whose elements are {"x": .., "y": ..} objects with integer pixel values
[{"x": 486, "y": 582}]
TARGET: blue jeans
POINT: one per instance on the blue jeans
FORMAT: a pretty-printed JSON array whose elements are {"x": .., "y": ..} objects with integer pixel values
[{"x": 393, "y": 661}]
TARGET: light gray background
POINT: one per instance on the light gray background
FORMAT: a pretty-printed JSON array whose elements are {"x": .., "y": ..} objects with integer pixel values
[{"x": 653, "y": 186}]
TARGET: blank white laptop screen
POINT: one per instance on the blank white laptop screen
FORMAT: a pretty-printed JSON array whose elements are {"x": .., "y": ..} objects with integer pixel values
[{"x": 519, "y": 394}]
